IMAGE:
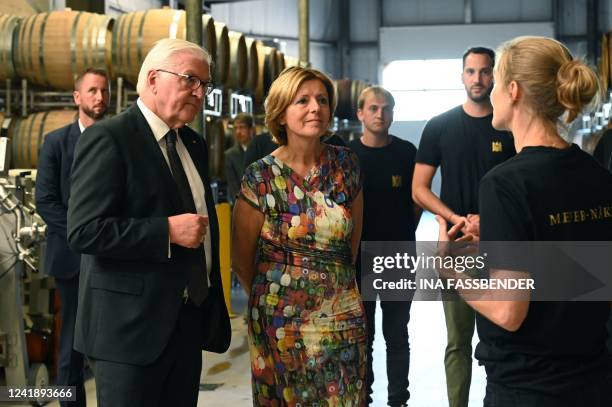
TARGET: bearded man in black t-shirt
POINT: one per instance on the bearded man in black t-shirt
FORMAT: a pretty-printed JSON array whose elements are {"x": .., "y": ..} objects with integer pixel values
[
  {"x": 389, "y": 214},
  {"x": 464, "y": 144}
]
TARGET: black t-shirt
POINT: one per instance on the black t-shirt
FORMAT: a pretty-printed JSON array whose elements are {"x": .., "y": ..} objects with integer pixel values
[
  {"x": 603, "y": 151},
  {"x": 560, "y": 345},
  {"x": 262, "y": 145},
  {"x": 466, "y": 148},
  {"x": 388, "y": 212}
]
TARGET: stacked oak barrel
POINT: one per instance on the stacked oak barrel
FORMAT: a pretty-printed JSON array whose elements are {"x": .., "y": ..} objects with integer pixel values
[{"x": 50, "y": 49}]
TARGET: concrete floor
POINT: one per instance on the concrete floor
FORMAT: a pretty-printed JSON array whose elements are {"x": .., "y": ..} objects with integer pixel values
[{"x": 225, "y": 380}]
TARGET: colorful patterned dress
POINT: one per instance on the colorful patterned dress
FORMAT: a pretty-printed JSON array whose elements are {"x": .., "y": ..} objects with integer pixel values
[{"x": 306, "y": 321}]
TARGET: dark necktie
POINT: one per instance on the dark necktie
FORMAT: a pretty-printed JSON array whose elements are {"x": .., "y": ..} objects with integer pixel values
[{"x": 197, "y": 286}]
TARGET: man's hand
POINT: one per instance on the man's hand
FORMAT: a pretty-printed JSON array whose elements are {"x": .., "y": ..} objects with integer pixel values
[
  {"x": 470, "y": 224},
  {"x": 187, "y": 230},
  {"x": 450, "y": 245}
]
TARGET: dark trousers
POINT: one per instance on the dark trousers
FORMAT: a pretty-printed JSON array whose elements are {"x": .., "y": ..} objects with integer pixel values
[
  {"x": 395, "y": 317},
  {"x": 172, "y": 380},
  {"x": 596, "y": 393},
  {"x": 70, "y": 363}
]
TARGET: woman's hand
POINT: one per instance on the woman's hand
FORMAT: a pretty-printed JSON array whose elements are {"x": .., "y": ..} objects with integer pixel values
[{"x": 450, "y": 245}]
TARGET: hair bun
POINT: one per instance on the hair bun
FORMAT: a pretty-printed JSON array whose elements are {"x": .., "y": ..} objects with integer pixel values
[{"x": 577, "y": 84}]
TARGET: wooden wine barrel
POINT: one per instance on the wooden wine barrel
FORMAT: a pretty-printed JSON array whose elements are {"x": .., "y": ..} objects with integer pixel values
[
  {"x": 215, "y": 139},
  {"x": 222, "y": 66},
  {"x": 9, "y": 26},
  {"x": 237, "y": 75},
  {"x": 53, "y": 48},
  {"x": 347, "y": 94},
  {"x": 209, "y": 36},
  {"x": 5, "y": 125},
  {"x": 29, "y": 133},
  {"x": 270, "y": 70},
  {"x": 135, "y": 34},
  {"x": 255, "y": 68},
  {"x": 280, "y": 62}
]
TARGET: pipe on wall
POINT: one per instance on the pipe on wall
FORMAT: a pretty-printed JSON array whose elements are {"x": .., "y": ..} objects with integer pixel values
[
  {"x": 193, "y": 17},
  {"x": 303, "y": 35},
  {"x": 592, "y": 13}
]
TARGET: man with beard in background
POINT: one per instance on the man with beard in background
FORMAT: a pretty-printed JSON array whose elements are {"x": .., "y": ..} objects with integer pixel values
[
  {"x": 463, "y": 142},
  {"x": 91, "y": 95}
]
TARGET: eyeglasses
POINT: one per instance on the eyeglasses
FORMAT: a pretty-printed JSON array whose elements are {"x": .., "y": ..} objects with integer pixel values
[{"x": 193, "y": 82}]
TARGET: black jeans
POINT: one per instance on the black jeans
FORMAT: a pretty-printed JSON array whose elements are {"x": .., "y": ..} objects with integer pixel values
[
  {"x": 597, "y": 393},
  {"x": 395, "y": 317}
]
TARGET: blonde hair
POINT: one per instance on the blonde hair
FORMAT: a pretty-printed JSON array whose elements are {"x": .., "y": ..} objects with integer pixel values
[
  {"x": 378, "y": 91},
  {"x": 161, "y": 56},
  {"x": 281, "y": 94},
  {"x": 553, "y": 81}
]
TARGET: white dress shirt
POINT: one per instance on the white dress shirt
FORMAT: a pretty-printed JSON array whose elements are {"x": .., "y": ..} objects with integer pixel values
[{"x": 159, "y": 129}]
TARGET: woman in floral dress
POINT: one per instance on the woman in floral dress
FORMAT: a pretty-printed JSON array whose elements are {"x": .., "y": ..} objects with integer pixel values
[{"x": 297, "y": 226}]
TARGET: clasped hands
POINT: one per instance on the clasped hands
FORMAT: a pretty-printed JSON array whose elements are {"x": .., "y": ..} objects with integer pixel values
[{"x": 451, "y": 245}]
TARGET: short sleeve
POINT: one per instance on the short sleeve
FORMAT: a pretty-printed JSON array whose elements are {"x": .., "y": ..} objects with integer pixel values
[
  {"x": 429, "y": 147},
  {"x": 252, "y": 187},
  {"x": 503, "y": 218}
]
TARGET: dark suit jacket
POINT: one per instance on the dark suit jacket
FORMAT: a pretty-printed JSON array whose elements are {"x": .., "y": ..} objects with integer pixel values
[
  {"x": 234, "y": 169},
  {"x": 52, "y": 193},
  {"x": 130, "y": 292}
]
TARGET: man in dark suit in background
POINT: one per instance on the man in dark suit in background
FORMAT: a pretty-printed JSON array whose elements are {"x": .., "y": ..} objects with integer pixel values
[
  {"x": 142, "y": 214},
  {"x": 244, "y": 131},
  {"x": 91, "y": 95}
]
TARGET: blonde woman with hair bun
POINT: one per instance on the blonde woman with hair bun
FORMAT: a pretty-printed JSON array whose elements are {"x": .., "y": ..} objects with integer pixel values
[{"x": 542, "y": 353}]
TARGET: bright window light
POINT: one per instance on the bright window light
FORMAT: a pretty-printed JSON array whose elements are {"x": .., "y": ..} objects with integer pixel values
[{"x": 424, "y": 88}]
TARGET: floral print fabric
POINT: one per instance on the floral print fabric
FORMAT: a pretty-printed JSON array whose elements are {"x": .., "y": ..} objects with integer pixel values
[{"x": 306, "y": 321}]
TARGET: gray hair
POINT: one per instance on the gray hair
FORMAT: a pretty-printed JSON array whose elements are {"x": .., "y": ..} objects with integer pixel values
[{"x": 160, "y": 57}]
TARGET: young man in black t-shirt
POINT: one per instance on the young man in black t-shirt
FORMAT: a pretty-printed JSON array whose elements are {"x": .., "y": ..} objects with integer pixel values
[
  {"x": 464, "y": 144},
  {"x": 389, "y": 214}
]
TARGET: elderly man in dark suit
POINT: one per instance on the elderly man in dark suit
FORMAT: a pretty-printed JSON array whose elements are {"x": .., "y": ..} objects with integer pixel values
[
  {"x": 234, "y": 156},
  {"x": 91, "y": 95},
  {"x": 142, "y": 214}
]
